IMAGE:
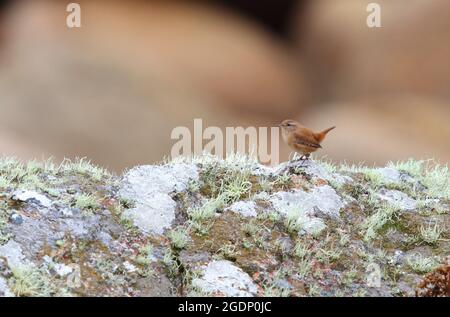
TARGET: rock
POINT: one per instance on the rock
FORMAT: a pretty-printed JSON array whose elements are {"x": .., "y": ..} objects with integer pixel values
[
  {"x": 149, "y": 187},
  {"x": 283, "y": 284},
  {"x": 322, "y": 201},
  {"x": 16, "y": 219},
  {"x": 154, "y": 215},
  {"x": 30, "y": 196},
  {"x": 323, "y": 198},
  {"x": 60, "y": 269},
  {"x": 144, "y": 180},
  {"x": 316, "y": 170},
  {"x": 194, "y": 260},
  {"x": 222, "y": 277},
  {"x": 4, "y": 289},
  {"x": 398, "y": 198},
  {"x": 3, "y": 265},
  {"x": 83, "y": 248},
  {"x": 155, "y": 286},
  {"x": 313, "y": 226},
  {"x": 12, "y": 252},
  {"x": 66, "y": 212},
  {"x": 285, "y": 244},
  {"x": 245, "y": 208},
  {"x": 340, "y": 26},
  {"x": 313, "y": 169},
  {"x": 390, "y": 175}
]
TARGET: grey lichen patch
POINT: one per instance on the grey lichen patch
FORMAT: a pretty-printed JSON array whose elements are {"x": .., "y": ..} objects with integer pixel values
[
  {"x": 12, "y": 252},
  {"x": 153, "y": 215},
  {"x": 392, "y": 175},
  {"x": 322, "y": 199},
  {"x": 149, "y": 187},
  {"x": 31, "y": 196},
  {"x": 4, "y": 288},
  {"x": 398, "y": 198},
  {"x": 225, "y": 279},
  {"x": 245, "y": 208},
  {"x": 304, "y": 211}
]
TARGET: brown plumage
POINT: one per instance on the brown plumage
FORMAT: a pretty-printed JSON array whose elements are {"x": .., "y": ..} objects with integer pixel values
[{"x": 301, "y": 139}]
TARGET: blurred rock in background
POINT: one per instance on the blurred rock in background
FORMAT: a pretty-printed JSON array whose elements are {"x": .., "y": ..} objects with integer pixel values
[
  {"x": 114, "y": 89},
  {"x": 389, "y": 85}
]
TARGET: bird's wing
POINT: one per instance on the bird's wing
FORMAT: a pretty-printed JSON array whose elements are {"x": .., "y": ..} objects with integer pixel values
[{"x": 305, "y": 140}]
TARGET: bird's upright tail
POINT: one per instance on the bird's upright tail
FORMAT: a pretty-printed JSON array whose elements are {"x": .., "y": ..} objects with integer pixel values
[{"x": 321, "y": 135}]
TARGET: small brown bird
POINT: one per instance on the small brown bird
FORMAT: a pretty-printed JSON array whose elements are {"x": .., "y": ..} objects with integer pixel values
[{"x": 301, "y": 139}]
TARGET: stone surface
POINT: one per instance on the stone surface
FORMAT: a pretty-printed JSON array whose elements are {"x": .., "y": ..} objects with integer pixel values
[
  {"x": 321, "y": 202},
  {"x": 294, "y": 236},
  {"x": 313, "y": 169},
  {"x": 245, "y": 208},
  {"x": 31, "y": 197},
  {"x": 389, "y": 174},
  {"x": 12, "y": 252},
  {"x": 222, "y": 277},
  {"x": 398, "y": 198},
  {"x": 4, "y": 289},
  {"x": 149, "y": 187},
  {"x": 323, "y": 198}
]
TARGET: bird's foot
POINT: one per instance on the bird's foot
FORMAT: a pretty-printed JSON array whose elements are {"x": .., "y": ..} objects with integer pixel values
[
  {"x": 299, "y": 158},
  {"x": 304, "y": 159}
]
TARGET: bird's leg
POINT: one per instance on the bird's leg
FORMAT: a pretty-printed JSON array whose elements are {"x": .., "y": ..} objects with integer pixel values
[{"x": 304, "y": 158}]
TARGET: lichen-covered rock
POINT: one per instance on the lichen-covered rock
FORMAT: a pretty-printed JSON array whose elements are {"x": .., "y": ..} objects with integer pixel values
[
  {"x": 398, "y": 198},
  {"x": 32, "y": 196},
  {"x": 389, "y": 174},
  {"x": 245, "y": 208},
  {"x": 4, "y": 289},
  {"x": 314, "y": 170},
  {"x": 12, "y": 252},
  {"x": 323, "y": 198},
  {"x": 225, "y": 279},
  {"x": 149, "y": 188},
  {"x": 206, "y": 226}
]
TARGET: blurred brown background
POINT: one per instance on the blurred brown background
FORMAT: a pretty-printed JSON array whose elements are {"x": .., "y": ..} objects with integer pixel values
[{"x": 115, "y": 88}]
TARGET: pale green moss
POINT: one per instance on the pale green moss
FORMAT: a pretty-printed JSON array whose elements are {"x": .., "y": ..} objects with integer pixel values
[
  {"x": 421, "y": 264},
  {"x": 31, "y": 281},
  {"x": 84, "y": 167},
  {"x": 431, "y": 234},
  {"x": 207, "y": 210},
  {"x": 179, "y": 238},
  {"x": 435, "y": 176},
  {"x": 374, "y": 223},
  {"x": 86, "y": 202}
]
